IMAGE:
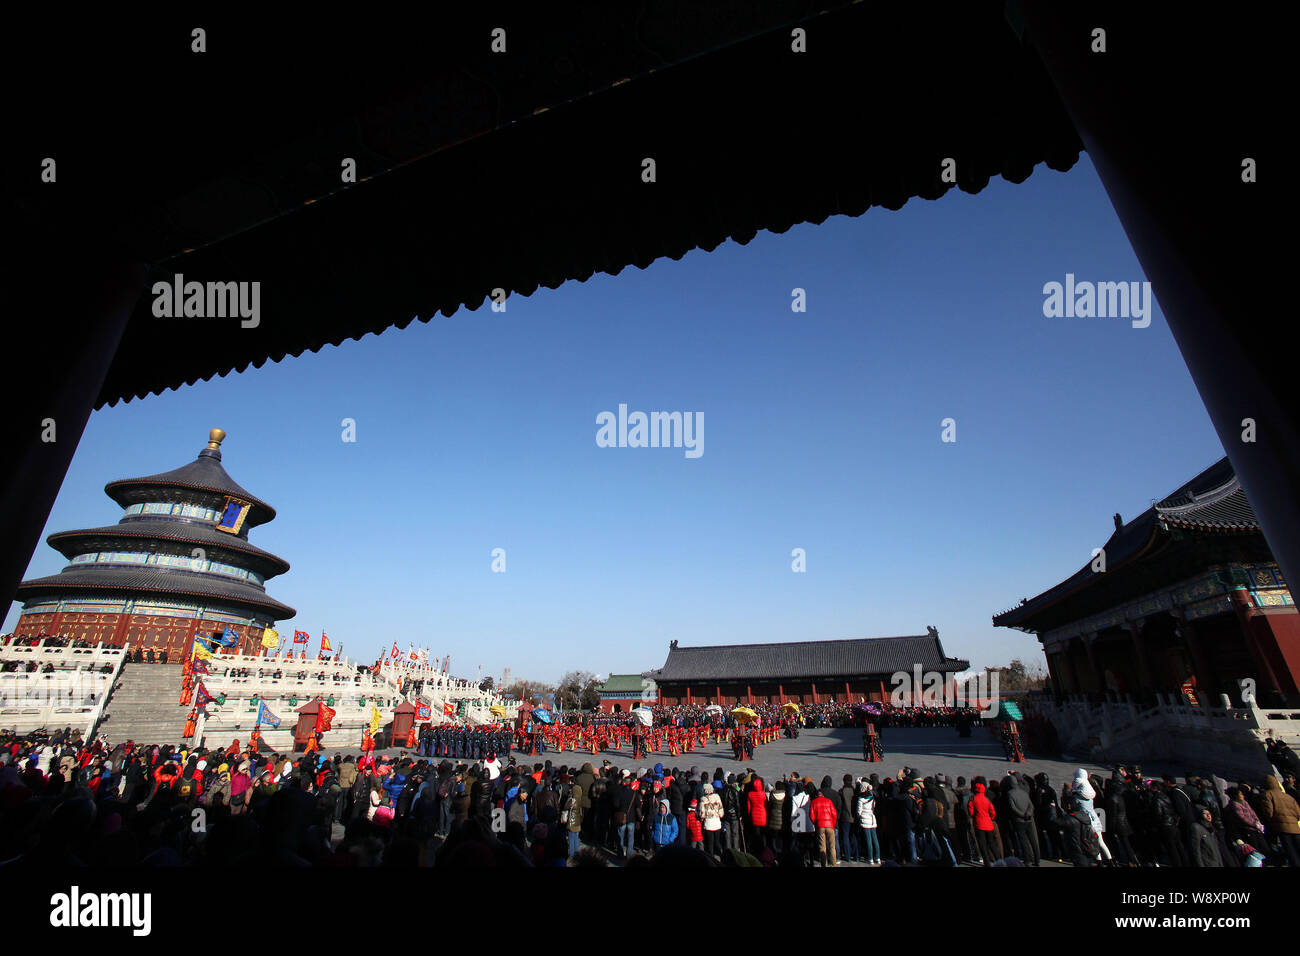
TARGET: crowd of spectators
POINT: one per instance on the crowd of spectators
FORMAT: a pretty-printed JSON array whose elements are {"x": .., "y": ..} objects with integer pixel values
[{"x": 65, "y": 802}]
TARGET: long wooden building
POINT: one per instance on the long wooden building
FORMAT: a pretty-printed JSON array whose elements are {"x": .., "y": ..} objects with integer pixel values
[{"x": 805, "y": 672}]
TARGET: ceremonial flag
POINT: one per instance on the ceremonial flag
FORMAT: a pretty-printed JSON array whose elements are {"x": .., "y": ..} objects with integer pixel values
[
  {"x": 200, "y": 666},
  {"x": 449, "y": 709},
  {"x": 229, "y": 638},
  {"x": 423, "y": 712},
  {"x": 200, "y": 650},
  {"x": 324, "y": 643},
  {"x": 396, "y": 653},
  {"x": 376, "y": 718},
  {"x": 270, "y": 638},
  {"x": 301, "y": 637},
  {"x": 413, "y": 655},
  {"x": 201, "y": 696},
  {"x": 324, "y": 718},
  {"x": 264, "y": 715}
]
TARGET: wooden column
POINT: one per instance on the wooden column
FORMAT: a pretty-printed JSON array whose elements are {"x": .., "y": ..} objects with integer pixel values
[
  {"x": 1089, "y": 642},
  {"x": 1144, "y": 662},
  {"x": 1206, "y": 682},
  {"x": 1268, "y": 681}
]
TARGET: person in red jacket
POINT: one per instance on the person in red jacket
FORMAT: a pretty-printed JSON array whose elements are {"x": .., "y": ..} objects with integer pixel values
[
  {"x": 756, "y": 807},
  {"x": 982, "y": 816},
  {"x": 825, "y": 819},
  {"x": 165, "y": 776},
  {"x": 695, "y": 826}
]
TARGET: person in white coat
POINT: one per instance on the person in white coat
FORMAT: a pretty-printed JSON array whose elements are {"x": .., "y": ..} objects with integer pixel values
[
  {"x": 1083, "y": 792},
  {"x": 865, "y": 810},
  {"x": 801, "y": 824}
]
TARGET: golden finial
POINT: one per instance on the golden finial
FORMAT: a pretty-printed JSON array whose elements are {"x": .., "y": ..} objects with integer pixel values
[{"x": 215, "y": 438}]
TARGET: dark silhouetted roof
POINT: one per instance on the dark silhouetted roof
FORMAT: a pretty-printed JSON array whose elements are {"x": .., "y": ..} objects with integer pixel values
[
  {"x": 100, "y": 580},
  {"x": 1213, "y": 501},
  {"x": 806, "y": 659},
  {"x": 518, "y": 171}
]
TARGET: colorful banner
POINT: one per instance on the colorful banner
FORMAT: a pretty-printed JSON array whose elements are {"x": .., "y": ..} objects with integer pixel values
[
  {"x": 423, "y": 712},
  {"x": 301, "y": 637},
  {"x": 201, "y": 652},
  {"x": 324, "y": 643},
  {"x": 396, "y": 653},
  {"x": 202, "y": 697},
  {"x": 449, "y": 709},
  {"x": 270, "y": 638},
  {"x": 229, "y": 638},
  {"x": 376, "y": 718},
  {"x": 324, "y": 718},
  {"x": 264, "y": 715}
]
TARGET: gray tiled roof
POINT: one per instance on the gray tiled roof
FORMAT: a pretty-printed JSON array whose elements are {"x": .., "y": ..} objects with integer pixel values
[
  {"x": 203, "y": 474},
  {"x": 71, "y": 543},
  {"x": 162, "y": 582},
  {"x": 1206, "y": 507},
  {"x": 806, "y": 659},
  {"x": 1212, "y": 501}
]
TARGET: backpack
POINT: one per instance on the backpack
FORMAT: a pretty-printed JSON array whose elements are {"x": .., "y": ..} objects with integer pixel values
[{"x": 185, "y": 789}]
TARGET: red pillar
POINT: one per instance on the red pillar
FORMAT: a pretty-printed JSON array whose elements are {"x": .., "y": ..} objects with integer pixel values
[{"x": 816, "y": 700}]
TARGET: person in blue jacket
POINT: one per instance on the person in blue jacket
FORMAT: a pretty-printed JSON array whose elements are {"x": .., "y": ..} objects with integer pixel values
[
  {"x": 664, "y": 831},
  {"x": 394, "y": 784}
]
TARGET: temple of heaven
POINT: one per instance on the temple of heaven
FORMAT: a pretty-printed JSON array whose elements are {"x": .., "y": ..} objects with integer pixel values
[{"x": 178, "y": 563}]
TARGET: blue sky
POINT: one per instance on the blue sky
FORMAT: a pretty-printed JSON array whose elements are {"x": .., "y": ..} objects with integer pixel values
[{"x": 822, "y": 432}]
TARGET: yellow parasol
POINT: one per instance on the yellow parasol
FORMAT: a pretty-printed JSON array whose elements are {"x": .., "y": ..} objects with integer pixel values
[
  {"x": 790, "y": 707},
  {"x": 744, "y": 715}
]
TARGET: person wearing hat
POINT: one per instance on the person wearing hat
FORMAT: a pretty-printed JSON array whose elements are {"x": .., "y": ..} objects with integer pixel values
[{"x": 664, "y": 830}]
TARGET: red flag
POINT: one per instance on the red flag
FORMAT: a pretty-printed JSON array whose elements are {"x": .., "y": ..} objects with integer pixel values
[
  {"x": 396, "y": 653},
  {"x": 449, "y": 709},
  {"x": 301, "y": 637},
  {"x": 324, "y": 718},
  {"x": 324, "y": 643}
]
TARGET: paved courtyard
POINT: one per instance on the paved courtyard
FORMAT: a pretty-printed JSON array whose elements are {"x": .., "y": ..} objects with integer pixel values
[{"x": 837, "y": 752}]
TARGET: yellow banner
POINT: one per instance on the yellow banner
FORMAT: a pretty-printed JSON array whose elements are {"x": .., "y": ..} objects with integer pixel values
[
  {"x": 201, "y": 652},
  {"x": 376, "y": 718},
  {"x": 270, "y": 638}
]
